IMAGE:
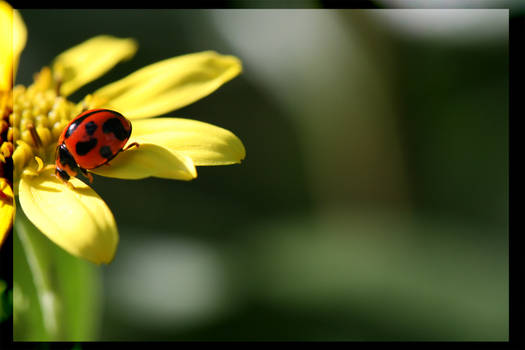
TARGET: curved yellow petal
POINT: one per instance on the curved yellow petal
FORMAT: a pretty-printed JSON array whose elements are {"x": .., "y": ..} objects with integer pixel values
[
  {"x": 77, "y": 220},
  {"x": 204, "y": 143},
  {"x": 19, "y": 39},
  {"x": 6, "y": 39},
  {"x": 87, "y": 61},
  {"x": 13, "y": 36},
  {"x": 169, "y": 84},
  {"x": 7, "y": 209},
  {"x": 149, "y": 160}
]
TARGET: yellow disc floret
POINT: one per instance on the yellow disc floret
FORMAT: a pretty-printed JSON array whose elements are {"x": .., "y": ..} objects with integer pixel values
[{"x": 6, "y": 144}]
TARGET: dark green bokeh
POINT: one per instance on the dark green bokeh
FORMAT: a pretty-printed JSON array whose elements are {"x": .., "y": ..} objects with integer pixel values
[
  {"x": 380, "y": 216},
  {"x": 6, "y": 301}
]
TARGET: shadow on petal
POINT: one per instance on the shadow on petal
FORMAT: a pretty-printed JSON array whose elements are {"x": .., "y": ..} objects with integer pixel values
[{"x": 149, "y": 160}]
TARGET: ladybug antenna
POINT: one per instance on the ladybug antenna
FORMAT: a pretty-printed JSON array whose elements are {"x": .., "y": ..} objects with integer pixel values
[{"x": 34, "y": 135}]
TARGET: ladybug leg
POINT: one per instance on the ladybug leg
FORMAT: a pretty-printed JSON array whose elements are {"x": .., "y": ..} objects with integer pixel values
[
  {"x": 67, "y": 183},
  {"x": 64, "y": 177},
  {"x": 134, "y": 144},
  {"x": 88, "y": 175}
]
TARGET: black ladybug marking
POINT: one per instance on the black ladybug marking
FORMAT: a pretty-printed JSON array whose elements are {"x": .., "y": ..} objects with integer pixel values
[
  {"x": 114, "y": 126},
  {"x": 76, "y": 123},
  {"x": 105, "y": 151},
  {"x": 83, "y": 148},
  {"x": 91, "y": 127}
]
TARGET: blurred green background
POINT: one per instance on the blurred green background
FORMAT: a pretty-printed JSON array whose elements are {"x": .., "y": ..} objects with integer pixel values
[{"x": 372, "y": 204}]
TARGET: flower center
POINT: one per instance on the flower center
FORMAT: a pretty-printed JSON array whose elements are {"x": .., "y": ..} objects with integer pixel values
[
  {"x": 6, "y": 145},
  {"x": 36, "y": 121}
]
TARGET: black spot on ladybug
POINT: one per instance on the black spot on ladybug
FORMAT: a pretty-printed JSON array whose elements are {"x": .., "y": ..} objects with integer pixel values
[
  {"x": 91, "y": 127},
  {"x": 82, "y": 148},
  {"x": 76, "y": 123},
  {"x": 115, "y": 126},
  {"x": 105, "y": 152}
]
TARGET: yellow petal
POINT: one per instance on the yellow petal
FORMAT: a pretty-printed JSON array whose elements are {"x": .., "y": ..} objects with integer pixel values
[
  {"x": 167, "y": 85},
  {"x": 149, "y": 160},
  {"x": 19, "y": 39},
  {"x": 204, "y": 143},
  {"x": 6, "y": 39},
  {"x": 13, "y": 36},
  {"x": 77, "y": 220},
  {"x": 89, "y": 60},
  {"x": 6, "y": 209}
]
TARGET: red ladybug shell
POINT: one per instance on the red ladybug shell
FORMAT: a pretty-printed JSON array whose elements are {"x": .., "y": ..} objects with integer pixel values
[{"x": 91, "y": 139}]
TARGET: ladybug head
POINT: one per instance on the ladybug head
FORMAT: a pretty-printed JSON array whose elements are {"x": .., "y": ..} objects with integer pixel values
[
  {"x": 62, "y": 174},
  {"x": 65, "y": 164}
]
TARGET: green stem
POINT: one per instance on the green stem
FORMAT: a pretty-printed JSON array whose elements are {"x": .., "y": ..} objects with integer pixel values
[{"x": 36, "y": 260}]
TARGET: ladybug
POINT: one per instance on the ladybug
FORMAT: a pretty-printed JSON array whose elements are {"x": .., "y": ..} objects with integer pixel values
[{"x": 90, "y": 140}]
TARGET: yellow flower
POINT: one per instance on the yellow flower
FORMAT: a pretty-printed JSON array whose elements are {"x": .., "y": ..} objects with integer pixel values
[
  {"x": 77, "y": 219},
  {"x": 12, "y": 40}
]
